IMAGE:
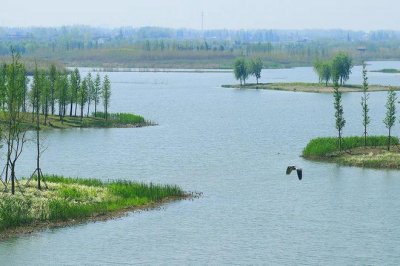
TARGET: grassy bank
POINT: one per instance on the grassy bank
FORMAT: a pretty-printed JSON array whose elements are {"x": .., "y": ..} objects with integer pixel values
[
  {"x": 114, "y": 120},
  {"x": 308, "y": 87},
  {"x": 75, "y": 199},
  {"x": 374, "y": 155}
]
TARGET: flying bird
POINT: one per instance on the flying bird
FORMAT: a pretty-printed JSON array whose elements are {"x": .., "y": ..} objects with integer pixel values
[{"x": 298, "y": 170}]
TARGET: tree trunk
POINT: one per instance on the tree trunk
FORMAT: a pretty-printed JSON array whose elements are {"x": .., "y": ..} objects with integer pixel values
[
  {"x": 12, "y": 179},
  {"x": 88, "y": 109},
  {"x": 70, "y": 110},
  {"x": 389, "y": 141}
]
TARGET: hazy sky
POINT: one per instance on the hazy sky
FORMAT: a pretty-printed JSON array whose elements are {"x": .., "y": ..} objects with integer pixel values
[{"x": 230, "y": 14}]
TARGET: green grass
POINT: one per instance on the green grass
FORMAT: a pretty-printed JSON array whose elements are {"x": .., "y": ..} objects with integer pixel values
[
  {"x": 75, "y": 198},
  {"x": 324, "y": 147},
  {"x": 54, "y": 121}
]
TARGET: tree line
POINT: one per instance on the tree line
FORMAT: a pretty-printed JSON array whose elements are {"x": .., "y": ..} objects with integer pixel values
[
  {"x": 51, "y": 92},
  {"x": 337, "y": 68},
  {"x": 243, "y": 68},
  {"x": 340, "y": 122}
]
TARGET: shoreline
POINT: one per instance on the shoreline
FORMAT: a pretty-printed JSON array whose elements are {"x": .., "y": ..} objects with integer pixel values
[
  {"x": 309, "y": 87},
  {"x": 99, "y": 217}
]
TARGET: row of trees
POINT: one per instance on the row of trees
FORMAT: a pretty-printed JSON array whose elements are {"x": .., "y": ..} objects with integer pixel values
[
  {"x": 340, "y": 122},
  {"x": 22, "y": 100},
  {"x": 337, "y": 68},
  {"x": 244, "y": 68}
]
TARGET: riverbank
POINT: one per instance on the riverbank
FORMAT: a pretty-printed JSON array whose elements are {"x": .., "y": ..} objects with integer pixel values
[
  {"x": 69, "y": 201},
  {"x": 354, "y": 153},
  {"x": 309, "y": 87},
  {"x": 114, "y": 120}
]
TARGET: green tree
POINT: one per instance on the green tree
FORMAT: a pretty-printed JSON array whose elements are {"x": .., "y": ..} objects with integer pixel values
[
  {"x": 15, "y": 131},
  {"x": 97, "y": 93},
  {"x": 83, "y": 95},
  {"x": 341, "y": 67},
  {"x": 339, "y": 118},
  {"x": 52, "y": 76},
  {"x": 390, "y": 118},
  {"x": 106, "y": 94},
  {"x": 75, "y": 85},
  {"x": 241, "y": 70},
  {"x": 61, "y": 86},
  {"x": 91, "y": 91},
  {"x": 3, "y": 87},
  {"x": 44, "y": 94},
  {"x": 256, "y": 66},
  {"x": 364, "y": 103}
]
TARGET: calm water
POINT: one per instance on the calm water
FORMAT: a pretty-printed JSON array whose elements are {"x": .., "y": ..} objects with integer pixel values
[{"x": 234, "y": 146}]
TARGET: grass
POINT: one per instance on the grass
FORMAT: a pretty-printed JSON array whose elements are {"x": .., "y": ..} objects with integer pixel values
[
  {"x": 113, "y": 121},
  {"x": 75, "y": 198},
  {"x": 354, "y": 153},
  {"x": 328, "y": 146}
]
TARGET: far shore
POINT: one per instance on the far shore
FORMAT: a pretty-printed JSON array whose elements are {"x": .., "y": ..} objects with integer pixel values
[{"x": 310, "y": 87}]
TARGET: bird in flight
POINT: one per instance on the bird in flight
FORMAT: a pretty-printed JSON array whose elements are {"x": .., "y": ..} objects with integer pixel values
[{"x": 299, "y": 171}]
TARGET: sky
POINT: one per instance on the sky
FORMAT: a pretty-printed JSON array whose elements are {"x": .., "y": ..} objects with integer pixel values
[{"x": 218, "y": 14}]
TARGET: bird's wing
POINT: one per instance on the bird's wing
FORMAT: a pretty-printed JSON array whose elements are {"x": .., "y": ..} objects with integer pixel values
[{"x": 289, "y": 169}]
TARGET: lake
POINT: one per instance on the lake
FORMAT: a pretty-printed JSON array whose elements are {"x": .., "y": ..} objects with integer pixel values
[{"x": 234, "y": 146}]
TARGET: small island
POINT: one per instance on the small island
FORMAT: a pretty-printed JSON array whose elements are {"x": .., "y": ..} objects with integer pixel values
[
  {"x": 374, "y": 154},
  {"x": 68, "y": 201},
  {"x": 387, "y": 70},
  {"x": 309, "y": 87}
]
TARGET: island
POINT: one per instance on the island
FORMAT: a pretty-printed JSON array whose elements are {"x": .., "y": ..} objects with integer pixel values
[
  {"x": 309, "y": 87},
  {"x": 387, "y": 70},
  {"x": 354, "y": 153},
  {"x": 67, "y": 201}
]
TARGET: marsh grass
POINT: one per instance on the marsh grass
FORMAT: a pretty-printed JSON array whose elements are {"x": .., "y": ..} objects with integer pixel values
[
  {"x": 328, "y": 146},
  {"x": 75, "y": 198}
]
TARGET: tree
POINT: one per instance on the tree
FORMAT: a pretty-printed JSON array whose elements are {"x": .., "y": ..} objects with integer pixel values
[
  {"x": 241, "y": 70},
  {"x": 75, "y": 85},
  {"x": 15, "y": 131},
  {"x": 52, "y": 77},
  {"x": 341, "y": 67},
  {"x": 3, "y": 94},
  {"x": 364, "y": 103},
  {"x": 44, "y": 94},
  {"x": 97, "y": 93},
  {"x": 83, "y": 95},
  {"x": 339, "y": 119},
  {"x": 106, "y": 95},
  {"x": 256, "y": 66},
  {"x": 61, "y": 87},
  {"x": 91, "y": 91},
  {"x": 390, "y": 118}
]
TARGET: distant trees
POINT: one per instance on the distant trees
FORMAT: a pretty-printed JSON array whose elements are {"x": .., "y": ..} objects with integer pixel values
[
  {"x": 337, "y": 69},
  {"x": 390, "y": 118},
  {"x": 364, "y": 103},
  {"x": 244, "y": 68}
]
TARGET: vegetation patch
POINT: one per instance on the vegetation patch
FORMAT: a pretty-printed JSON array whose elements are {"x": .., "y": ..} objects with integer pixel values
[
  {"x": 67, "y": 199},
  {"x": 309, "y": 87},
  {"x": 354, "y": 153},
  {"x": 387, "y": 70}
]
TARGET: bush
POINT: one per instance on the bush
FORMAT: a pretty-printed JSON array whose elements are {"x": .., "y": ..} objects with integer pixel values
[{"x": 322, "y": 147}]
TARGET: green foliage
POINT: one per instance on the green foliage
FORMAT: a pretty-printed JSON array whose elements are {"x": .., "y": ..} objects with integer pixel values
[
  {"x": 256, "y": 66},
  {"x": 324, "y": 71},
  {"x": 14, "y": 211},
  {"x": 364, "y": 103},
  {"x": 77, "y": 198},
  {"x": 390, "y": 118},
  {"x": 341, "y": 66},
  {"x": 241, "y": 70},
  {"x": 339, "y": 118},
  {"x": 322, "y": 147},
  {"x": 122, "y": 118},
  {"x": 106, "y": 95}
]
